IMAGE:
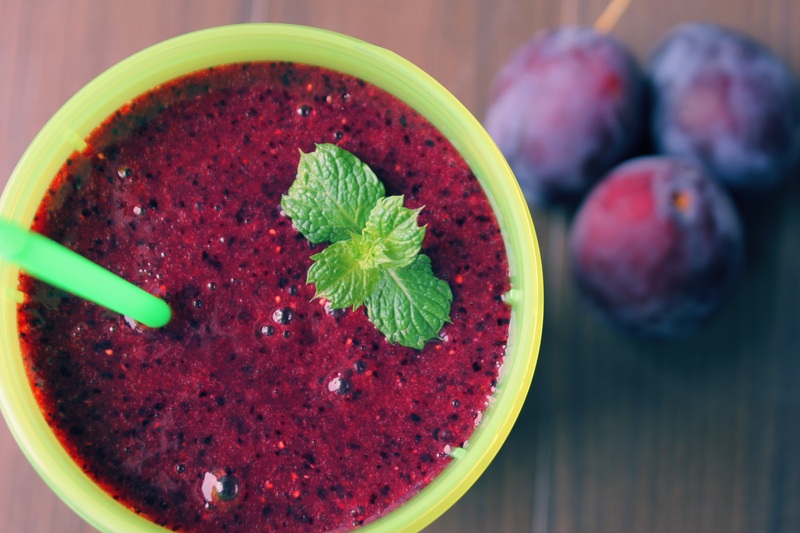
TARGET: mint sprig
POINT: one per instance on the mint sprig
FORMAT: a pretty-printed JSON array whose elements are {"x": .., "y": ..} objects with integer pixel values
[{"x": 374, "y": 257}]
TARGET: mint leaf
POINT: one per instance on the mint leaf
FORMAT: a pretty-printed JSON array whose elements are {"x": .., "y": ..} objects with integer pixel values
[
  {"x": 410, "y": 305},
  {"x": 396, "y": 226},
  {"x": 346, "y": 272},
  {"x": 332, "y": 196},
  {"x": 374, "y": 258}
]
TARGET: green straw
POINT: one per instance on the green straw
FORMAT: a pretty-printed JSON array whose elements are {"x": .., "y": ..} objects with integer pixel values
[{"x": 51, "y": 262}]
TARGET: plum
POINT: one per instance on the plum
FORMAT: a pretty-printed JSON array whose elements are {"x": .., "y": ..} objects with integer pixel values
[
  {"x": 726, "y": 102},
  {"x": 565, "y": 108},
  {"x": 656, "y": 246}
]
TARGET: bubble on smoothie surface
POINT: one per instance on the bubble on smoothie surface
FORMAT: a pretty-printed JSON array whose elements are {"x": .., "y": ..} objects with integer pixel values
[
  {"x": 283, "y": 315},
  {"x": 220, "y": 487},
  {"x": 339, "y": 385}
]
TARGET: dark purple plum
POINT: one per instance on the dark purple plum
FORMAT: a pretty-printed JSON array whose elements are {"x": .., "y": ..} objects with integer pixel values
[
  {"x": 565, "y": 108},
  {"x": 726, "y": 102},
  {"x": 657, "y": 246}
]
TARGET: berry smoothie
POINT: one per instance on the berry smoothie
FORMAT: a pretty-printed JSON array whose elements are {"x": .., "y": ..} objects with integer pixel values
[{"x": 258, "y": 408}]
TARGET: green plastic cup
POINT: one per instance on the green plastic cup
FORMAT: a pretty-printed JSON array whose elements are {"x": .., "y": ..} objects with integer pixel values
[{"x": 65, "y": 133}]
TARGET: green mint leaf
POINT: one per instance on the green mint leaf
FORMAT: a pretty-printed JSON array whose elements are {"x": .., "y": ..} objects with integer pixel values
[
  {"x": 410, "y": 305},
  {"x": 332, "y": 196},
  {"x": 374, "y": 256},
  {"x": 396, "y": 226},
  {"x": 346, "y": 272}
]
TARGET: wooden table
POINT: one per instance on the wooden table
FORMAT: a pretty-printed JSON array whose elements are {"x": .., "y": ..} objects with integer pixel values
[{"x": 617, "y": 435}]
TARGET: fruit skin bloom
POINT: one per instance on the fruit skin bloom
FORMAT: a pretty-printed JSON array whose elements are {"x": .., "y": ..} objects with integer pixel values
[
  {"x": 566, "y": 107},
  {"x": 656, "y": 247},
  {"x": 727, "y": 103}
]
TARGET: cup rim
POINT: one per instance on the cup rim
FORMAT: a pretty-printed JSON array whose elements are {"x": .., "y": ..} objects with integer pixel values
[{"x": 64, "y": 133}]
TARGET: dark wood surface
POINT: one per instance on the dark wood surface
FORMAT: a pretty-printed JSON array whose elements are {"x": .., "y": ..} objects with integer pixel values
[{"x": 618, "y": 435}]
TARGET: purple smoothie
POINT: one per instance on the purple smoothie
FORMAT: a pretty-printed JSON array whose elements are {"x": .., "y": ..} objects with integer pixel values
[{"x": 257, "y": 408}]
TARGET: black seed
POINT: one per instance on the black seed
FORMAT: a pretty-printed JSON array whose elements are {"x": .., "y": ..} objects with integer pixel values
[{"x": 226, "y": 487}]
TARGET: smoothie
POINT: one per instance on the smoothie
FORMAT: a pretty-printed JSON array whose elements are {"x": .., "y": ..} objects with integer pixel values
[{"x": 258, "y": 408}]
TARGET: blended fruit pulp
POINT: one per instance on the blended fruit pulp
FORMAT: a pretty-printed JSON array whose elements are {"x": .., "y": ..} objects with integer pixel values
[{"x": 258, "y": 408}]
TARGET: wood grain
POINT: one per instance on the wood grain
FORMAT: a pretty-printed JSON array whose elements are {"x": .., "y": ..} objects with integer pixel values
[{"x": 618, "y": 435}]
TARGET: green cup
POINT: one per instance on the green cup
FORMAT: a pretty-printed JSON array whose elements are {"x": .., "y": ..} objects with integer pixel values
[{"x": 65, "y": 133}]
